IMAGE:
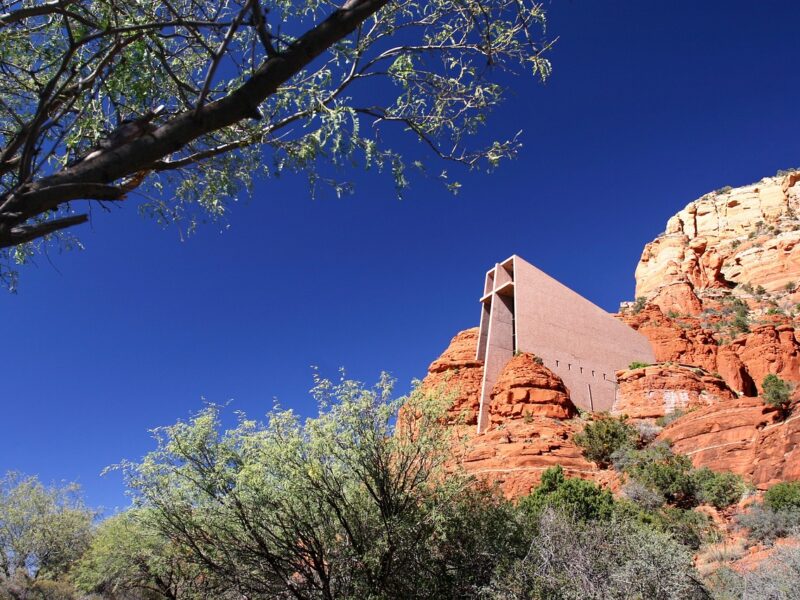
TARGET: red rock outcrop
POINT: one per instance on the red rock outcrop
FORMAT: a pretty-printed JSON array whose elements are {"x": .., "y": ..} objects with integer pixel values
[
  {"x": 746, "y": 236},
  {"x": 527, "y": 389},
  {"x": 743, "y": 436},
  {"x": 658, "y": 390},
  {"x": 459, "y": 375},
  {"x": 743, "y": 362},
  {"x": 531, "y": 420}
]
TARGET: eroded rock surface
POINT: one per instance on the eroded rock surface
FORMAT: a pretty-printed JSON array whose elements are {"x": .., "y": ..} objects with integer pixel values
[
  {"x": 531, "y": 420},
  {"x": 747, "y": 235},
  {"x": 743, "y": 436},
  {"x": 658, "y": 390}
]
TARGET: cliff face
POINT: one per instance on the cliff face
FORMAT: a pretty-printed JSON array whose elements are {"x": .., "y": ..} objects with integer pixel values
[
  {"x": 720, "y": 289},
  {"x": 746, "y": 236},
  {"x": 532, "y": 419},
  {"x": 743, "y": 436}
]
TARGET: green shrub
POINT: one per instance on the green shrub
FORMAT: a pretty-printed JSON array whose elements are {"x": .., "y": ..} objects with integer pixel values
[
  {"x": 777, "y": 392},
  {"x": 639, "y": 304},
  {"x": 718, "y": 489},
  {"x": 605, "y": 436},
  {"x": 658, "y": 468},
  {"x": 672, "y": 476},
  {"x": 689, "y": 527},
  {"x": 670, "y": 417},
  {"x": 578, "y": 499},
  {"x": 766, "y": 525},
  {"x": 783, "y": 496},
  {"x": 638, "y": 365}
]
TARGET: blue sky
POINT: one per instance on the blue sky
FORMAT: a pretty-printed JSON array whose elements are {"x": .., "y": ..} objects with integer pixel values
[{"x": 650, "y": 105}]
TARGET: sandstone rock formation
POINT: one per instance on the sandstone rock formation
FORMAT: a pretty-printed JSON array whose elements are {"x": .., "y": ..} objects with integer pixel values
[
  {"x": 658, "y": 390},
  {"x": 457, "y": 374},
  {"x": 744, "y": 236},
  {"x": 743, "y": 361},
  {"x": 743, "y": 436},
  {"x": 531, "y": 419}
]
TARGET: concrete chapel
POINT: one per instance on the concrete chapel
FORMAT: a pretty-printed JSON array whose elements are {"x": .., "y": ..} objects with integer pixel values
[{"x": 525, "y": 310}]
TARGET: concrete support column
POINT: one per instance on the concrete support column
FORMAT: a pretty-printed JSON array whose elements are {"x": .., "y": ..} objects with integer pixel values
[{"x": 499, "y": 350}]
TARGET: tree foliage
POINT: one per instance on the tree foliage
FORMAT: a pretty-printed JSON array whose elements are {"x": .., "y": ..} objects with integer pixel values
[
  {"x": 43, "y": 531},
  {"x": 129, "y": 556},
  {"x": 184, "y": 101},
  {"x": 344, "y": 505},
  {"x": 580, "y": 500}
]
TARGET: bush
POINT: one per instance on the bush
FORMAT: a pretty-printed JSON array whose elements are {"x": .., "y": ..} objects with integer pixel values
[
  {"x": 718, "y": 489},
  {"x": 659, "y": 469},
  {"x": 766, "y": 525},
  {"x": 670, "y": 417},
  {"x": 605, "y": 436},
  {"x": 672, "y": 476},
  {"x": 647, "y": 431},
  {"x": 576, "y": 498},
  {"x": 777, "y": 392},
  {"x": 643, "y": 497},
  {"x": 777, "y": 577},
  {"x": 783, "y": 496},
  {"x": 613, "y": 560},
  {"x": 689, "y": 527},
  {"x": 637, "y": 365},
  {"x": 639, "y": 305}
]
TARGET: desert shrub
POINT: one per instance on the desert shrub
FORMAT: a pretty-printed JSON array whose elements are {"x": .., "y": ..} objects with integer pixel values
[
  {"x": 659, "y": 469},
  {"x": 638, "y": 365},
  {"x": 689, "y": 527},
  {"x": 642, "y": 496},
  {"x": 600, "y": 439},
  {"x": 639, "y": 305},
  {"x": 647, "y": 431},
  {"x": 672, "y": 476},
  {"x": 776, "y": 578},
  {"x": 783, "y": 496},
  {"x": 612, "y": 560},
  {"x": 740, "y": 324},
  {"x": 670, "y": 417},
  {"x": 766, "y": 525},
  {"x": 718, "y": 489},
  {"x": 578, "y": 499},
  {"x": 777, "y": 392}
]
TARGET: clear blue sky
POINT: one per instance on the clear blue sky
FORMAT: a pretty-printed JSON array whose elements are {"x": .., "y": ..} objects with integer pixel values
[{"x": 650, "y": 105}]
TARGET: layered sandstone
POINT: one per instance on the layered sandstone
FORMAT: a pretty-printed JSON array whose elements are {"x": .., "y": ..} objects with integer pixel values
[
  {"x": 658, "y": 390},
  {"x": 457, "y": 374},
  {"x": 744, "y": 436},
  {"x": 743, "y": 236},
  {"x": 528, "y": 389},
  {"x": 771, "y": 346},
  {"x": 531, "y": 419}
]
